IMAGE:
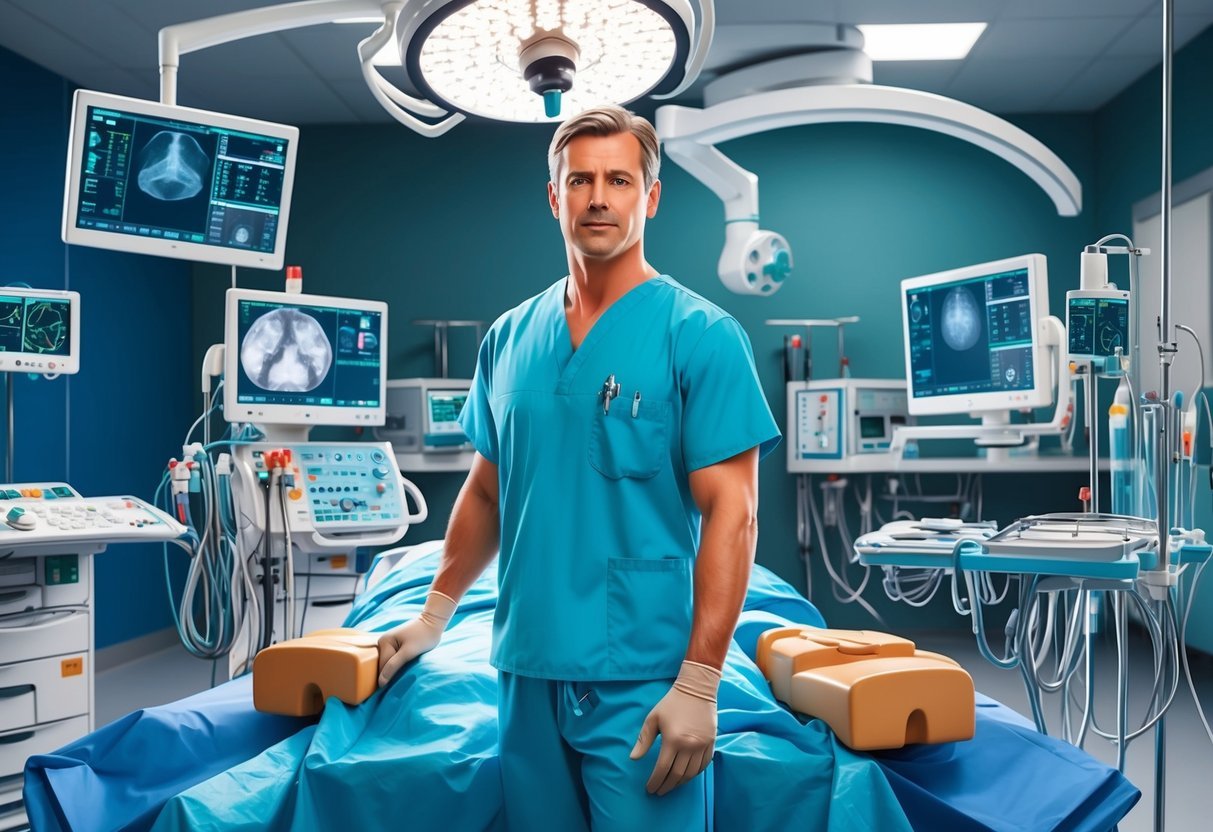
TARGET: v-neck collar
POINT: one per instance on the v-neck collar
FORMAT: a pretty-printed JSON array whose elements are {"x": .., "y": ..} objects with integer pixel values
[{"x": 570, "y": 360}]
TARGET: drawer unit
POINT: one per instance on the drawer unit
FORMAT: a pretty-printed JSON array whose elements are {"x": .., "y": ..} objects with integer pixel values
[
  {"x": 46, "y": 690},
  {"x": 17, "y": 746},
  {"x": 16, "y": 571},
  {"x": 15, "y": 599},
  {"x": 39, "y": 634}
]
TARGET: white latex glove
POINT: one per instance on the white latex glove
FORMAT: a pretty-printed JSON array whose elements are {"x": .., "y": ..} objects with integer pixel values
[
  {"x": 686, "y": 719},
  {"x": 400, "y": 645}
]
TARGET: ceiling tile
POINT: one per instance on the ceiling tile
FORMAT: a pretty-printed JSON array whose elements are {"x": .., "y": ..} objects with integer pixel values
[
  {"x": 775, "y": 11},
  {"x": 1100, "y": 82},
  {"x": 1053, "y": 38},
  {"x": 928, "y": 76},
  {"x": 1077, "y": 8},
  {"x": 274, "y": 98},
  {"x": 94, "y": 27},
  {"x": 899, "y": 11},
  {"x": 156, "y": 14},
  {"x": 331, "y": 50},
  {"x": 114, "y": 79},
  {"x": 1034, "y": 82},
  {"x": 742, "y": 43},
  {"x": 42, "y": 43},
  {"x": 252, "y": 58},
  {"x": 359, "y": 99},
  {"x": 1145, "y": 36}
]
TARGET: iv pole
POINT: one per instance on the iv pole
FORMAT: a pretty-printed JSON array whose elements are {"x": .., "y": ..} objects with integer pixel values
[{"x": 1166, "y": 354}]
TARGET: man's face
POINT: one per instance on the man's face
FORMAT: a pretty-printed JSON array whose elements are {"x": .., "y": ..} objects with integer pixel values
[{"x": 600, "y": 198}]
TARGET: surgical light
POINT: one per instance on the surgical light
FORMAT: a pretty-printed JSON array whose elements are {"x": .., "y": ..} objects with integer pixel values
[
  {"x": 512, "y": 60},
  {"x": 492, "y": 58},
  {"x": 920, "y": 41}
]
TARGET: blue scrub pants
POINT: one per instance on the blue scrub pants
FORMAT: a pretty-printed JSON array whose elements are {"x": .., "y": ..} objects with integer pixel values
[{"x": 565, "y": 764}]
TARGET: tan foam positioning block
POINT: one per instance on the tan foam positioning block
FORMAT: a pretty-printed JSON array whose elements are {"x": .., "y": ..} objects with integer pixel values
[
  {"x": 874, "y": 690},
  {"x": 295, "y": 677}
]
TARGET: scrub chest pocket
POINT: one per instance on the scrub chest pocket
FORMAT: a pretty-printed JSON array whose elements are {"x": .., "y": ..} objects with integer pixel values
[{"x": 632, "y": 440}]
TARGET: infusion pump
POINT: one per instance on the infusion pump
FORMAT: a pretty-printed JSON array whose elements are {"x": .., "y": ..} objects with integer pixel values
[{"x": 831, "y": 420}]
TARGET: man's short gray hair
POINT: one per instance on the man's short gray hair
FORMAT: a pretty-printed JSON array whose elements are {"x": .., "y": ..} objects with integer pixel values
[{"x": 609, "y": 121}]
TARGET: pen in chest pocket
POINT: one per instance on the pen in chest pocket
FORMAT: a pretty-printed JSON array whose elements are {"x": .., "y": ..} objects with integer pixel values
[
  {"x": 636, "y": 404},
  {"x": 610, "y": 389}
]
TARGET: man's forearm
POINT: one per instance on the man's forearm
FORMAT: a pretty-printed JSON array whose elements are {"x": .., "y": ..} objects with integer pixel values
[
  {"x": 472, "y": 541},
  {"x": 722, "y": 575}
]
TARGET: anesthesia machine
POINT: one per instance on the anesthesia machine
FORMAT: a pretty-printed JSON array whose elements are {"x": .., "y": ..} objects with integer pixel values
[{"x": 283, "y": 525}]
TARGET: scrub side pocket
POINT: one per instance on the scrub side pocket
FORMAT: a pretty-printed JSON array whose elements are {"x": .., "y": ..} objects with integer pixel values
[
  {"x": 648, "y": 615},
  {"x": 626, "y": 445}
]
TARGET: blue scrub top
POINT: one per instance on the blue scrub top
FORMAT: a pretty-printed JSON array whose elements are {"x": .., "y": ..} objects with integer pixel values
[{"x": 599, "y": 530}]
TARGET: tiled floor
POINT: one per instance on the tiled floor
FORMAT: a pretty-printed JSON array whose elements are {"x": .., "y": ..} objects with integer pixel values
[{"x": 172, "y": 674}]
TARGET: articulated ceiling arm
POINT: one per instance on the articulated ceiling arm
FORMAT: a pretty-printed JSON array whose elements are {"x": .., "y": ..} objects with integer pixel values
[
  {"x": 684, "y": 128},
  {"x": 753, "y": 261},
  {"x": 404, "y": 108},
  {"x": 183, "y": 38}
]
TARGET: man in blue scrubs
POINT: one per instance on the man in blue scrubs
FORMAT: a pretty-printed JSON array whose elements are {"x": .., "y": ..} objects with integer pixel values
[{"x": 618, "y": 423}]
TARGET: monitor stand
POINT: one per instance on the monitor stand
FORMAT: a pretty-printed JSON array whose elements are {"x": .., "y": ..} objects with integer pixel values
[
  {"x": 998, "y": 443},
  {"x": 992, "y": 437}
]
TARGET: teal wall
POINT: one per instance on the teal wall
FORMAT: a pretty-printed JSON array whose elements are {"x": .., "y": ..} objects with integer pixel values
[
  {"x": 459, "y": 228},
  {"x": 110, "y": 428},
  {"x": 1129, "y": 169}
]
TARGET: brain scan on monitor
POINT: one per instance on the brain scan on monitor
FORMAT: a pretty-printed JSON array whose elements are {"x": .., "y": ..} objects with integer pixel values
[
  {"x": 286, "y": 350},
  {"x": 172, "y": 166},
  {"x": 961, "y": 319}
]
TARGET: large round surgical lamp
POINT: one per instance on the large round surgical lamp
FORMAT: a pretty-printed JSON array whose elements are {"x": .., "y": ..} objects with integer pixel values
[
  {"x": 534, "y": 60},
  {"x": 511, "y": 60}
]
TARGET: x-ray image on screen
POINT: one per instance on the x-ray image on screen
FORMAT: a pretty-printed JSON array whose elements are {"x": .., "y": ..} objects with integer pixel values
[
  {"x": 961, "y": 318},
  {"x": 172, "y": 166},
  {"x": 168, "y": 183},
  {"x": 286, "y": 350},
  {"x": 971, "y": 336}
]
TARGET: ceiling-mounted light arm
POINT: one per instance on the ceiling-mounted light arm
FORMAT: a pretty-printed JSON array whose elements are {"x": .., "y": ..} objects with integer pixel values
[
  {"x": 707, "y": 29},
  {"x": 736, "y": 186},
  {"x": 886, "y": 105},
  {"x": 753, "y": 261},
  {"x": 400, "y": 106},
  {"x": 184, "y": 38}
]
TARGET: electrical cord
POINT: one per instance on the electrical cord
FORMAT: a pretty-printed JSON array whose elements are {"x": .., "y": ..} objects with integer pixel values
[{"x": 851, "y": 595}]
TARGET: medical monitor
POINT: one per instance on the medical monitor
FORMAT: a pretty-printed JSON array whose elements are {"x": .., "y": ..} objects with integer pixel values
[
  {"x": 304, "y": 359},
  {"x": 973, "y": 338},
  {"x": 39, "y": 331},
  {"x": 1097, "y": 323},
  {"x": 151, "y": 178}
]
